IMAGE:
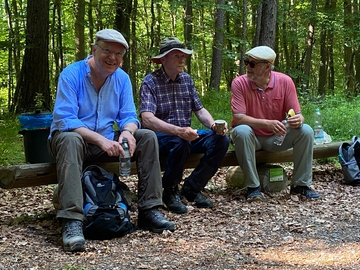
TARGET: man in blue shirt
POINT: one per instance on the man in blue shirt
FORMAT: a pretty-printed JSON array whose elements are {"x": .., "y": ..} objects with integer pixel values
[
  {"x": 92, "y": 95},
  {"x": 168, "y": 99}
]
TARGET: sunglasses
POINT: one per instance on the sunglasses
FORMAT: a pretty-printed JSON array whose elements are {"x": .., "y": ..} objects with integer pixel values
[{"x": 253, "y": 64}]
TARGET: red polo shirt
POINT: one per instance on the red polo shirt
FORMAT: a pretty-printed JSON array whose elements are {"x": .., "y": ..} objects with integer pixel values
[{"x": 271, "y": 103}]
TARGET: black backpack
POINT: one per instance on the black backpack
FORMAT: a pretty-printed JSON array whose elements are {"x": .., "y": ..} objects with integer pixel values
[{"x": 105, "y": 207}]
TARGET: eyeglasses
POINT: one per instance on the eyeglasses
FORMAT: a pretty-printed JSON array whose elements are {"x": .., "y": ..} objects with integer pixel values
[
  {"x": 253, "y": 64},
  {"x": 109, "y": 52}
]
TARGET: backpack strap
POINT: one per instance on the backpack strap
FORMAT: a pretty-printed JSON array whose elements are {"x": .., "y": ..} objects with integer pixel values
[{"x": 99, "y": 172}]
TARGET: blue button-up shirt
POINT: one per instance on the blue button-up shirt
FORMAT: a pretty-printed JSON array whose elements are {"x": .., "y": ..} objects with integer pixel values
[
  {"x": 79, "y": 104},
  {"x": 170, "y": 101}
]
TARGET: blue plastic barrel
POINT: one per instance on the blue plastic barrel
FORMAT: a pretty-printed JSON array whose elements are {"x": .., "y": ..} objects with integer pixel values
[{"x": 35, "y": 130}]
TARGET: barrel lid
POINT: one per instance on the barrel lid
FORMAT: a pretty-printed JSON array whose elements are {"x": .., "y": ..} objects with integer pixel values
[{"x": 36, "y": 113}]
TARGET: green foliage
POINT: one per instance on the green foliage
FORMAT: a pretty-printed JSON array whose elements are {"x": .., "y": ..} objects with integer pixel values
[
  {"x": 340, "y": 117},
  {"x": 218, "y": 104},
  {"x": 11, "y": 144}
]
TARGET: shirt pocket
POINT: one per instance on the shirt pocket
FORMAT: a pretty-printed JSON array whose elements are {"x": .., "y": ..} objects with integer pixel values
[{"x": 278, "y": 105}]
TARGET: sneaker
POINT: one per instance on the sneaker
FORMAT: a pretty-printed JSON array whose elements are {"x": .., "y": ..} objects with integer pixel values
[
  {"x": 153, "y": 220},
  {"x": 254, "y": 194},
  {"x": 172, "y": 200},
  {"x": 72, "y": 234},
  {"x": 195, "y": 196},
  {"x": 306, "y": 191}
]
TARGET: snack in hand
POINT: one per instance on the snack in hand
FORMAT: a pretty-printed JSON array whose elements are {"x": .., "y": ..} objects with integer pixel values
[{"x": 291, "y": 113}]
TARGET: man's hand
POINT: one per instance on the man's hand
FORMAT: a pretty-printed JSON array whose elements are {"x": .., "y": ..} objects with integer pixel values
[
  {"x": 131, "y": 141},
  {"x": 277, "y": 127},
  {"x": 295, "y": 121},
  {"x": 112, "y": 148},
  {"x": 187, "y": 133}
]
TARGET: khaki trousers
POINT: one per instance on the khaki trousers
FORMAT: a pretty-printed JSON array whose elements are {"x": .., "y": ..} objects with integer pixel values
[
  {"x": 71, "y": 152},
  {"x": 246, "y": 143}
]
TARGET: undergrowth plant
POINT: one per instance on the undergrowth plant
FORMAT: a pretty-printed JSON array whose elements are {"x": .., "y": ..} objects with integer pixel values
[
  {"x": 11, "y": 143},
  {"x": 340, "y": 117}
]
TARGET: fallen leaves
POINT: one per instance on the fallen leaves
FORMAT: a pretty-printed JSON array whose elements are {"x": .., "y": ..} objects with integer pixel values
[{"x": 284, "y": 232}]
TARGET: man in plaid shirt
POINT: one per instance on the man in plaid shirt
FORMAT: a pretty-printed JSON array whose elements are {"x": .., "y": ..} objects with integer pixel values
[{"x": 167, "y": 100}]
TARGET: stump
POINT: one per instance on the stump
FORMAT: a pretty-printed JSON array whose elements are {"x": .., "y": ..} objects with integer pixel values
[{"x": 273, "y": 178}]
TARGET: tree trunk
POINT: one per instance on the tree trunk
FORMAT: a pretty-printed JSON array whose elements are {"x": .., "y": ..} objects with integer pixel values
[
  {"x": 188, "y": 21},
  {"x": 348, "y": 51},
  {"x": 217, "y": 47},
  {"x": 257, "y": 22},
  {"x": 309, "y": 47},
  {"x": 323, "y": 62},
  {"x": 204, "y": 71},
  {"x": 79, "y": 30},
  {"x": 122, "y": 24},
  {"x": 356, "y": 52},
  {"x": 33, "y": 81},
  {"x": 133, "y": 67},
  {"x": 331, "y": 73},
  {"x": 14, "y": 52},
  {"x": 240, "y": 29},
  {"x": 268, "y": 23}
]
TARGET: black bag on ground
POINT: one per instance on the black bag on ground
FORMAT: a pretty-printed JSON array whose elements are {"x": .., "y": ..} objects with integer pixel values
[
  {"x": 105, "y": 207},
  {"x": 349, "y": 158}
]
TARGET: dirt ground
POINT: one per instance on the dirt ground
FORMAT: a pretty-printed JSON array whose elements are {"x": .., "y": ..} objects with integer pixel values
[{"x": 284, "y": 232}]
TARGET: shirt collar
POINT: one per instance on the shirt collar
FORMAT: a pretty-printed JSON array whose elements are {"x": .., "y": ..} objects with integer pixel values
[
  {"x": 270, "y": 84},
  {"x": 166, "y": 77}
]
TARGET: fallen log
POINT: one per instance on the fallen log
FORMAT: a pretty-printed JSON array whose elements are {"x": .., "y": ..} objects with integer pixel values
[{"x": 26, "y": 175}]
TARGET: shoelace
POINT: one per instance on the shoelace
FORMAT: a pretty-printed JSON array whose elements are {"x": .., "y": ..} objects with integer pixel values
[
  {"x": 73, "y": 229},
  {"x": 176, "y": 195},
  {"x": 157, "y": 214}
]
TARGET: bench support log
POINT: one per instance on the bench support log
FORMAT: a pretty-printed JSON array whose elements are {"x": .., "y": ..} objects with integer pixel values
[{"x": 26, "y": 175}]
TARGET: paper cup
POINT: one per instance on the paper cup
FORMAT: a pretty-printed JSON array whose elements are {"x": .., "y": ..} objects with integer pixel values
[{"x": 219, "y": 127}]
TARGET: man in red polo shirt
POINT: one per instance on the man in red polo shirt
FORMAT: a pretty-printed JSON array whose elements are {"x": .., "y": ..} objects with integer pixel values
[{"x": 260, "y": 101}]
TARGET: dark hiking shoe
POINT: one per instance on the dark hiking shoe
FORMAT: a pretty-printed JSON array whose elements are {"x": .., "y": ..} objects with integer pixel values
[
  {"x": 254, "y": 194},
  {"x": 72, "y": 234},
  {"x": 171, "y": 198},
  {"x": 305, "y": 191},
  {"x": 155, "y": 221},
  {"x": 193, "y": 195}
]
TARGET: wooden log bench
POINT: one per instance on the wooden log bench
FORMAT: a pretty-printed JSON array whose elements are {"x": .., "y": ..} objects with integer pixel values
[{"x": 27, "y": 175}]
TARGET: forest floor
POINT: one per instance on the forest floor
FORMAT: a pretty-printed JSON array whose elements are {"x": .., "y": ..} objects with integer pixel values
[{"x": 284, "y": 232}]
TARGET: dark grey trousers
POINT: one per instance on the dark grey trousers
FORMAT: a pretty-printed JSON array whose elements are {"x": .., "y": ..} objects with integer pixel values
[{"x": 71, "y": 152}]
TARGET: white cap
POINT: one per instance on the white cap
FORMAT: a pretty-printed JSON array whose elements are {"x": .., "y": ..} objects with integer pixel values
[
  {"x": 262, "y": 53},
  {"x": 111, "y": 35}
]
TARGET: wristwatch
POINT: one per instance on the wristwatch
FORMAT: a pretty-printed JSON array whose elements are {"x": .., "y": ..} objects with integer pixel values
[{"x": 128, "y": 130}]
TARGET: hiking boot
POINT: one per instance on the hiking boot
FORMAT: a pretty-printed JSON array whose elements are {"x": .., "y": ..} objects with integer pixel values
[
  {"x": 155, "y": 221},
  {"x": 254, "y": 194},
  {"x": 171, "y": 198},
  {"x": 72, "y": 234},
  {"x": 193, "y": 195},
  {"x": 305, "y": 191}
]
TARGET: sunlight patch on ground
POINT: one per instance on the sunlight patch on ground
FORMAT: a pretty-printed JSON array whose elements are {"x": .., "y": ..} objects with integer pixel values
[{"x": 312, "y": 253}]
